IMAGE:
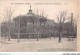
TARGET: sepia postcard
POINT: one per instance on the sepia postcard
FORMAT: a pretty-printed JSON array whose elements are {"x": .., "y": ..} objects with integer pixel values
[{"x": 39, "y": 25}]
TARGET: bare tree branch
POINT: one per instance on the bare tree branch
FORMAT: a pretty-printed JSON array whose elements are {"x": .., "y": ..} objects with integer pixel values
[
  {"x": 61, "y": 19},
  {"x": 8, "y": 13}
]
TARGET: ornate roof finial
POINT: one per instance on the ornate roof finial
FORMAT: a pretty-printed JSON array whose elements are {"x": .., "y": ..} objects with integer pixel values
[{"x": 30, "y": 10}]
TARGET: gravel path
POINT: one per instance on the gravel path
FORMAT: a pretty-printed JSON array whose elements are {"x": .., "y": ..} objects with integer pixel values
[{"x": 43, "y": 45}]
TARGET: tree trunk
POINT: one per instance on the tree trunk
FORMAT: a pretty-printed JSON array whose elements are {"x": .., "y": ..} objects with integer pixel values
[
  {"x": 50, "y": 36},
  {"x": 26, "y": 28},
  {"x": 18, "y": 31},
  {"x": 29, "y": 36},
  {"x": 29, "y": 33},
  {"x": 38, "y": 37},
  {"x": 60, "y": 37},
  {"x": 9, "y": 36},
  {"x": 9, "y": 32},
  {"x": 18, "y": 37}
]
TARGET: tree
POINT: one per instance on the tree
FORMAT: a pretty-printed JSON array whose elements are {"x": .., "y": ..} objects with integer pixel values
[
  {"x": 42, "y": 20},
  {"x": 8, "y": 14},
  {"x": 61, "y": 19},
  {"x": 73, "y": 25}
]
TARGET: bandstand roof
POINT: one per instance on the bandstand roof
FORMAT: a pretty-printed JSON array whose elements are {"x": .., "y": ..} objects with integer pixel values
[{"x": 30, "y": 16}]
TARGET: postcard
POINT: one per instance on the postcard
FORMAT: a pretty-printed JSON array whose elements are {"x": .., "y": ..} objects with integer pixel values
[{"x": 39, "y": 25}]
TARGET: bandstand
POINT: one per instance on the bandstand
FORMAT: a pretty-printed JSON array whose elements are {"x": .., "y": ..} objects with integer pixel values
[{"x": 30, "y": 25}]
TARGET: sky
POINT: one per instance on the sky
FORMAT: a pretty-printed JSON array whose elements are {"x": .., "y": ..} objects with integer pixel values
[{"x": 51, "y": 8}]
